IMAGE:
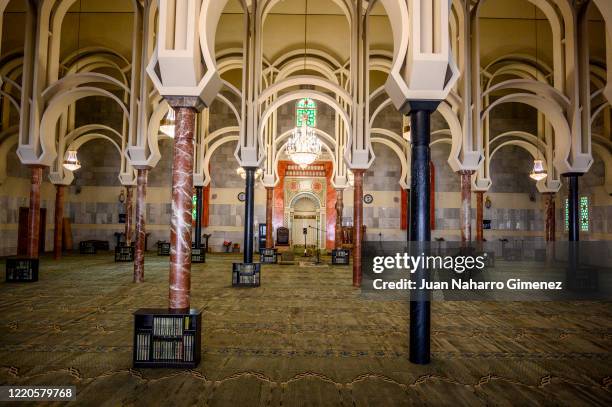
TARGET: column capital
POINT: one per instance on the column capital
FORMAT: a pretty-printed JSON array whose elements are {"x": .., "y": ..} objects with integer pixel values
[{"x": 186, "y": 102}]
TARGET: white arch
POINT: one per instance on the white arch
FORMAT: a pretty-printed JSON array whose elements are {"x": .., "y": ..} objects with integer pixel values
[
  {"x": 555, "y": 116},
  {"x": 55, "y": 109}
]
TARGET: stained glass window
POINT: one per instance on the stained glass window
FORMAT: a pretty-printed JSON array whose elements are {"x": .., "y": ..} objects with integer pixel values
[
  {"x": 307, "y": 107},
  {"x": 583, "y": 214},
  {"x": 194, "y": 211}
]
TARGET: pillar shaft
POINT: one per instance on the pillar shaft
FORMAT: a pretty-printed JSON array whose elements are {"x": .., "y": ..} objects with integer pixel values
[
  {"x": 269, "y": 212},
  {"x": 249, "y": 208},
  {"x": 573, "y": 209},
  {"x": 141, "y": 233},
  {"x": 198, "y": 218},
  {"x": 34, "y": 213},
  {"x": 479, "y": 216},
  {"x": 550, "y": 217},
  {"x": 59, "y": 221},
  {"x": 129, "y": 210},
  {"x": 182, "y": 206},
  {"x": 420, "y": 227},
  {"x": 358, "y": 225},
  {"x": 466, "y": 207},
  {"x": 339, "y": 211}
]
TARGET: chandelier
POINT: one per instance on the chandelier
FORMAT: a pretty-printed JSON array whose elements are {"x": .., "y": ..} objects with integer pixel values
[
  {"x": 168, "y": 123},
  {"x": 71, "y": 163},
  {"x": 538, "y": 173},
  {"x": 304, "y": 147}
]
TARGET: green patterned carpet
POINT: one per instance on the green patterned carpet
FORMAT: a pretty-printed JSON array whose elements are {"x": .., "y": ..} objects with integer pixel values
[{"x": 304, "y": 338}]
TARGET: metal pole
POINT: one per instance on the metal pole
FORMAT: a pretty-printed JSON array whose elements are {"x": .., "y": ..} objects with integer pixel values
[
  {"x": 249, "y": 205},
  {"x": 420, "y": 226},
  {"x": 198, "y": 219}
]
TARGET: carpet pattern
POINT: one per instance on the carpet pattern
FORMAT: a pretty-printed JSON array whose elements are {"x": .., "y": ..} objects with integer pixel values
[{"x": 306, "y": 337}]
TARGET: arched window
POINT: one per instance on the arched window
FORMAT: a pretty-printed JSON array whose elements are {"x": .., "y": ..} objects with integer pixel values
[{"x": 306, "y": 107}]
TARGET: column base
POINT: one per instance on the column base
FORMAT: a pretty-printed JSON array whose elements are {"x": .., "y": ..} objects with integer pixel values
[{"x": 246, "y": 275}]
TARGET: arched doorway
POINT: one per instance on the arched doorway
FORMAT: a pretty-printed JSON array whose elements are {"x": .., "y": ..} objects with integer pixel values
[{"x": 305, "y": 211}]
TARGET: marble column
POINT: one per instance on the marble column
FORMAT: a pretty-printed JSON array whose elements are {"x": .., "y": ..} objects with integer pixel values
[
  {"x": 59, "y": 221},
  {"x": 182, "y": 206},
  {"x": 34, "y": 213},
  {"x": 550, "y": 217},
  {"x": 466, "y": 207},
  {"x": 479, "y": 216},
  {"x": 129, "y": 210},
  {"x": 141, "y": 233},
  {"x": 357, "y": 225},
  {"x": 339, "y": 211},
  {"x": 269, "y": 211}
]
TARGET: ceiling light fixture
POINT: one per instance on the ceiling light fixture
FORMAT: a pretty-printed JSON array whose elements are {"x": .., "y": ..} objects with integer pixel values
[{"x": 71, "y": 163}]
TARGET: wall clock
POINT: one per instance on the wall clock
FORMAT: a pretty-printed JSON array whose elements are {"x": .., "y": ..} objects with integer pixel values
[
  {"x": 242, "y": 197},
  {"x": 368, "y": 199}
]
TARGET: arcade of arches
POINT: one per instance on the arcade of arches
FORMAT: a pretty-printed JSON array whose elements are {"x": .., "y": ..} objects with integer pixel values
[{"x": 527, "y": 81}]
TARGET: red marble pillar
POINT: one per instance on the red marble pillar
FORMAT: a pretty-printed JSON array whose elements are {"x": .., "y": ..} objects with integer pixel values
[
  {"x": 479, "y": 216},
  {"x": 34, "y": 214},
  {"x": 129, "y": 210},
  {"x": 339, "y": 210},
  {"x": 358, "y": 225},
  {"x": 550, "y": 217},
  {"x": 269, "y": 212},
  {"x": 466, "y": 206},
  {"x": 141, "y": 210},
  {"x": 182, "y": 190},
  {"x": 59, "y": 221}
]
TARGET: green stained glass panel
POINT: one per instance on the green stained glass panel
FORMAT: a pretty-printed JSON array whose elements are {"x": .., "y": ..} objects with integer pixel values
[
  {"x": 584, "y": 213},
  {"x": 306, "y": 107},
  {"x": 194, "y": 211},
  {"x": 566, "y": 215}
]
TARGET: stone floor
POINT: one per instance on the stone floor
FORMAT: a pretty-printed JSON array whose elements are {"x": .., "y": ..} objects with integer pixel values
[{"x": 304, "y": 338}]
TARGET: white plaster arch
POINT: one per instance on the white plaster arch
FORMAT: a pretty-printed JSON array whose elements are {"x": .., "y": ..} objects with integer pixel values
[
  {"x": 55, "y": 109},
  {"x": 554, "y": 114},
  {"x": 533, "y": 150},
  {"x": 8, "y": 139},
  {"x": 404, "y": 177},
  {"x": 305, "y": 80}
]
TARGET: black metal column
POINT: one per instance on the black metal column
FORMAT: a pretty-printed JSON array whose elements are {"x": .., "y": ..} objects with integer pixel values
[
  {"x": 420, "y": 227},
  {"x": 198, "y": 219},
  {"x": 249, "y": 205},
  {"x": 573, "y": 208}
]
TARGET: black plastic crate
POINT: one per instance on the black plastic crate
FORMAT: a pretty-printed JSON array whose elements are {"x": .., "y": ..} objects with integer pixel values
[
  {"x": 163, "y": 249},
  {"x": 246, "y": 275},
  {"x": 268, "y": 256},
  {"x": 167, "y": 338},
  {"x": 21, "y": 270},
  {"x": 88, "y": 247},
  {"x": 124, "y": 254},
  {"x": 341, "y": 257},
  {"x": 198, "y": 255}
]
